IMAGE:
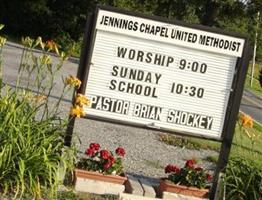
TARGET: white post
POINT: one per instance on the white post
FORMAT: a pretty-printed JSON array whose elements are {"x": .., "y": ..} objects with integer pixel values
[{"x": 254, "y": 52}]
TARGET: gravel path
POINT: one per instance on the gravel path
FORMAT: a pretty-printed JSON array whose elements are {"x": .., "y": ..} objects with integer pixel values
[{"x": 145, "y": 154}]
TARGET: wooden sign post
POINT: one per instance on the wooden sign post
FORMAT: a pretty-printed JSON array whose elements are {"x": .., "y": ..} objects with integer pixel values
[{"x": 158, "y": 74}]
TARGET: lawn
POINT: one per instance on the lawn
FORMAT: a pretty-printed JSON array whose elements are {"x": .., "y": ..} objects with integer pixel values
[
  {"x": 245, "y": 144},
  {"x": 256, "y": 87}
]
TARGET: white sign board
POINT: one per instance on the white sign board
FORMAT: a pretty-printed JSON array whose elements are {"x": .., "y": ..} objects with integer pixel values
[{"x": 161, "y": 75}]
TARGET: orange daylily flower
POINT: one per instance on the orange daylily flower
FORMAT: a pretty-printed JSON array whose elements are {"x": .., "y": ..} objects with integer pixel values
[
  {"x": 52, "y": 46},
  {"x": 247, "y": 121}
]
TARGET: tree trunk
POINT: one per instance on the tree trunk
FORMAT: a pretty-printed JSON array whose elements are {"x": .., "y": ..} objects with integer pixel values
[{"x": 211, "y": 12}]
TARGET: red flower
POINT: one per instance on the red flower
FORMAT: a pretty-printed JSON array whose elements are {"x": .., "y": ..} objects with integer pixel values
[
  {"x": 95, "y": 146},
  {"x": 171, "y": 168},
  {"x": 104, "y": 154},
  {"x": 107, "y": 165},
  {"x": 168, "y": 169},
  {"x": 190, "y": 163},
  {"x": 90, "y": 152},
  {"x": 199, "y": 169},
  {"x": 176, "y": 170},
  {"x": 120, "y": 151},
  {"x": 208, "y": 177},
  {"x": 112, "y": 159}
]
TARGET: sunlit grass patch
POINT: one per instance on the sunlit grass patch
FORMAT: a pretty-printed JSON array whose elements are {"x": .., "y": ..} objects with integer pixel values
[
  {"x": 247, "y": 142},
  {"x": 256, "y": 87}
]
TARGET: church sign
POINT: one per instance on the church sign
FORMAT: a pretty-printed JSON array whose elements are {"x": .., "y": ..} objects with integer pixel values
[
  {"x": 158, "y": 74},
  {"x": 153, "y": 73}
]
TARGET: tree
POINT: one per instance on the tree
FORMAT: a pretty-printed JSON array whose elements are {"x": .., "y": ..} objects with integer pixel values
[
  {"x": 255, "y": 6},
  {"x": 21, "y": 17},
  {"x": 65, "y": 20}
]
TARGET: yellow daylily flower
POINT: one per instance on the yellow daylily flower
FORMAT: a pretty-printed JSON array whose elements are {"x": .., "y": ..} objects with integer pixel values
[
  {"x": 73, "y": 81},
  {"x": 82, "y": 100},
  {"x": 45, "y": 59},
  {"x": 2, "y": 26},
  {"x": 27, "y": 41},
  {"x": 77, "y": 111},
  {"x": 40, "y": 43},
  {"x": 2, "y": 41},
  {"x": 64, "y": 56}
]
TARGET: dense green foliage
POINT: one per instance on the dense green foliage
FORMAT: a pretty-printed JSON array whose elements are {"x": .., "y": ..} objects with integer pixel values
[
  {"x": 32, "y": 151},
  {"x": 243, "y": 180},
  {"x": 65, "y": 20}
]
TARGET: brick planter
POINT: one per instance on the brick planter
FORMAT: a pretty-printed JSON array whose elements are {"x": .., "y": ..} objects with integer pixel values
[
  {"x": 94, "y": 182},
  {"x": 166, "y": 186}
]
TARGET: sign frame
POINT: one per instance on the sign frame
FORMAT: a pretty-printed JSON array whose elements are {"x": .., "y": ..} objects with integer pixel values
[{"x": 234, "y": 97}]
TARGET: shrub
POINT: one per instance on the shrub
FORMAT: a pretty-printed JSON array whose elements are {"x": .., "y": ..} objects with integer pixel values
[
  {"x": 32, "y": 148},
  {"x": 243, "y": 180}
]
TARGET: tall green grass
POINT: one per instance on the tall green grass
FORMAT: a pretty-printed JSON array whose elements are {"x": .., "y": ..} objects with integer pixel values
[
  {"x": 243, "y": 180},
  {"x": 30, "y": 149}
]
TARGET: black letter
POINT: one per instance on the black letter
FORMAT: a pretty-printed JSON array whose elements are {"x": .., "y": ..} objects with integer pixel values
[
  {"x": 112, "y": 86},
  {"x": 148, "y": 57},
  {"x": 114, "y": 72},
  {"x": 121, "y": 52},
  {"x": 102, "y": 19}
]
